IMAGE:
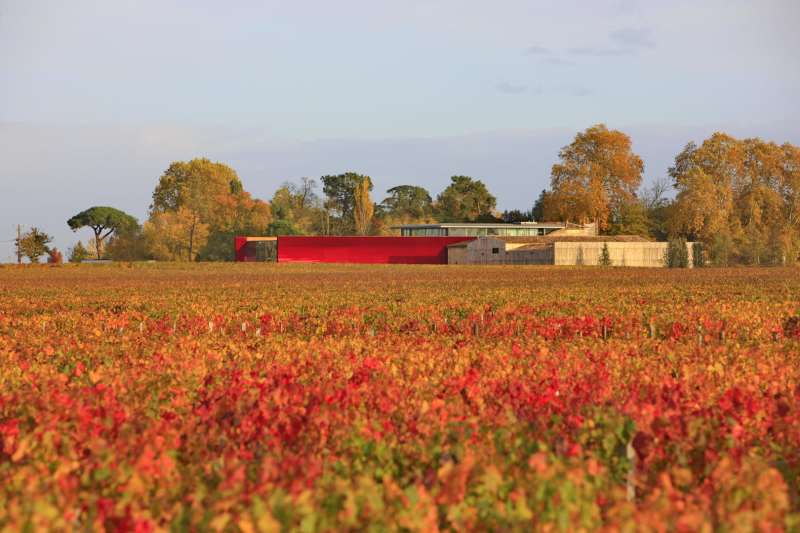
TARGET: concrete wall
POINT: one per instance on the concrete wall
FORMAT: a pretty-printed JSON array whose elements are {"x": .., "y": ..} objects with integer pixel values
[
  {"x": 457, "y": 255},
  {"x": 494, "y": 251},
  {"x": 538, "y": 256},
  {"x": 481, "y": 251},
  {"x": 633, "y": 254}
]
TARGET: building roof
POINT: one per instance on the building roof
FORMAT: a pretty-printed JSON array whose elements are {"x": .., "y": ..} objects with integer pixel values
[
  {"x": 547, "y": 239},
  {"x": 530, "y": 243},
  {"x": 498, "y": 225}
]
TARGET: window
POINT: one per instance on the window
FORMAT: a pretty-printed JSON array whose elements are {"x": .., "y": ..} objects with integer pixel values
[{"x": 495, "y": 250}]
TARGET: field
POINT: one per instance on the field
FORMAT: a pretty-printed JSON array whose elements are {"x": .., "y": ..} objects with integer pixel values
[{"x": 245, "y": 397}]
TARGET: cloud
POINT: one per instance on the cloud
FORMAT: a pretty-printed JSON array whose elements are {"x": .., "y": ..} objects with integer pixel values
[
  {"x": 546, "y": 56},
  {"x": 633, "y": 38},
  {"x": 558, "y": 61},
  {"x": 537, "y": 51},
  {"x": 626, "y": 41},
  {"x": 511, "y": 88},
  {"x": 598, "y": 51},
  {"x": 580, "y": 91}
]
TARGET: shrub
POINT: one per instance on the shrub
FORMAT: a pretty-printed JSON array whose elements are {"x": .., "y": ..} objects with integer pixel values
[
  {"x": 605, "y": 256},
  {"x": 78, "y": 253},
  {"x": 698, "y": 255},
  {"x": 677, "y": 254},
  {"x": 55, "y": 257},
  {"x": 721, "y": 249}
]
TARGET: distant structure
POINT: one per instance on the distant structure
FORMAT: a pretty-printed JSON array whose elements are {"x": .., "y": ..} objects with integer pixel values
[
  {"x": 554, "y": 249},
  {"x": 255, "y": 248},
  {"x": 526, "y": 243},
  {"x": 477, "y": 229}
]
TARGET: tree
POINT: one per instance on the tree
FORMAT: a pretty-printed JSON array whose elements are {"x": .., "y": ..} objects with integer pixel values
[
  {"x": 103, "y": 221},
  {"x": 282, "y": 227},
  {"x": 630, "y": 219},
  {"x": 703, "y": 206},
  {"x": 407, "y": 203},
  {"x": 33, "y": 244},
  {"x": 516, "y": 216},
  {"x": 283, "y": 204},
  {"x": 658, "y": 208},
  {"x": 213, "y": 196},
  {"x": 655, "y": 195},
  {"x": 303, "y": 193},
  {"x": 740, "y": 198},
  {"x": 540, "y": 207},
  {"x": 175, "y": 235},
  {"x": 78, "y": 253},
  {"x": 54, "y": 256},
  {"x": 698, "y": 255},
  {"x": 465, "y": 200},
  {"x": 340, "y": 193},
  {"x": 363, "y": 207},
  {"x": 597, "y": 175},
  {"x": 677, "y": 255},
  {"x": 298, "y": 205},
  {"x": 244, "y": 215},
  {"x": 605, "y": 256},
  {"x": 128, "y": 245}
]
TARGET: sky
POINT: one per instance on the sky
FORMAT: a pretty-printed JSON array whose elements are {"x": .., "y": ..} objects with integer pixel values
[{"x": 98, "y": 97}]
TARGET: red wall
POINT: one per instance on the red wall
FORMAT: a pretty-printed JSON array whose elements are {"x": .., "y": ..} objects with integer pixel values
[
  {"x": 243, "y": 251},
  {"x": 411, "y": 250}
]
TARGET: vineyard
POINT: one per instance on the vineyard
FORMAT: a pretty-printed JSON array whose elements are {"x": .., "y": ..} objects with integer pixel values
[{"x": 257, "y": 397}]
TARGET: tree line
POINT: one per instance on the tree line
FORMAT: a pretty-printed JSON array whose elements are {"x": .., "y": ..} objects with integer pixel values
[{"x": 739, "y": 199}]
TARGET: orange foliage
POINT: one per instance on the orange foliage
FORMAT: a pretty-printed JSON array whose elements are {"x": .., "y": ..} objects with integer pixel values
[{"x": 250, "y": 397}]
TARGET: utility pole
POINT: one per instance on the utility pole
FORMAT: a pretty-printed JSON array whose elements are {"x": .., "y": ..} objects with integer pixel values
[{"x": 19, "y": 251}]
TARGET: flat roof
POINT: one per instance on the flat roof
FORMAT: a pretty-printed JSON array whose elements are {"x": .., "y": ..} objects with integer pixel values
[
  {"x": 257, "y": 239},
  {"x": 546, "y": 240},
  {"x": 498, "y": 225}
]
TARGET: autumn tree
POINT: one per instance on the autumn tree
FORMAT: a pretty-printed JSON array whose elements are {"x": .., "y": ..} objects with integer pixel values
[
  {"x": 78, "y": 253},
  {"x": 175, "y": 235},
  {"x": 597, "y": 175},
  {"x": 103, "y": 221},
  {"x": 212, "y": 197},
  {"x": 363, "y": 208},
  {"x": 296, "y": 207},
  {"x": 465, "y": 200},
  {"x": 34, "y": 244},
  {"x": 54, "y": 256},
  {"x": 740, "y": 198},
  {"x": 340, "y": 198},
  {"x": 128, "y": 245}
]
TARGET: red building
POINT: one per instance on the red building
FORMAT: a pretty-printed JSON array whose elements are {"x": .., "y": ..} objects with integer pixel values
[{"x": 400, "y": 250}]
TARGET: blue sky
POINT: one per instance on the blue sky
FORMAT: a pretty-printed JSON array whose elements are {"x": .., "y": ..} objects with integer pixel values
[{"x": 97, "y": 97}]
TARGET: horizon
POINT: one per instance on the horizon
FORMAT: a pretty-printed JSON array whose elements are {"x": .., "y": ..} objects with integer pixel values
[{"x": 92, "y": 114}]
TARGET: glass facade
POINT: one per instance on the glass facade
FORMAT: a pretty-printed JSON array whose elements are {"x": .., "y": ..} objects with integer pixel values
[{"x": 474, "y": 231}]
